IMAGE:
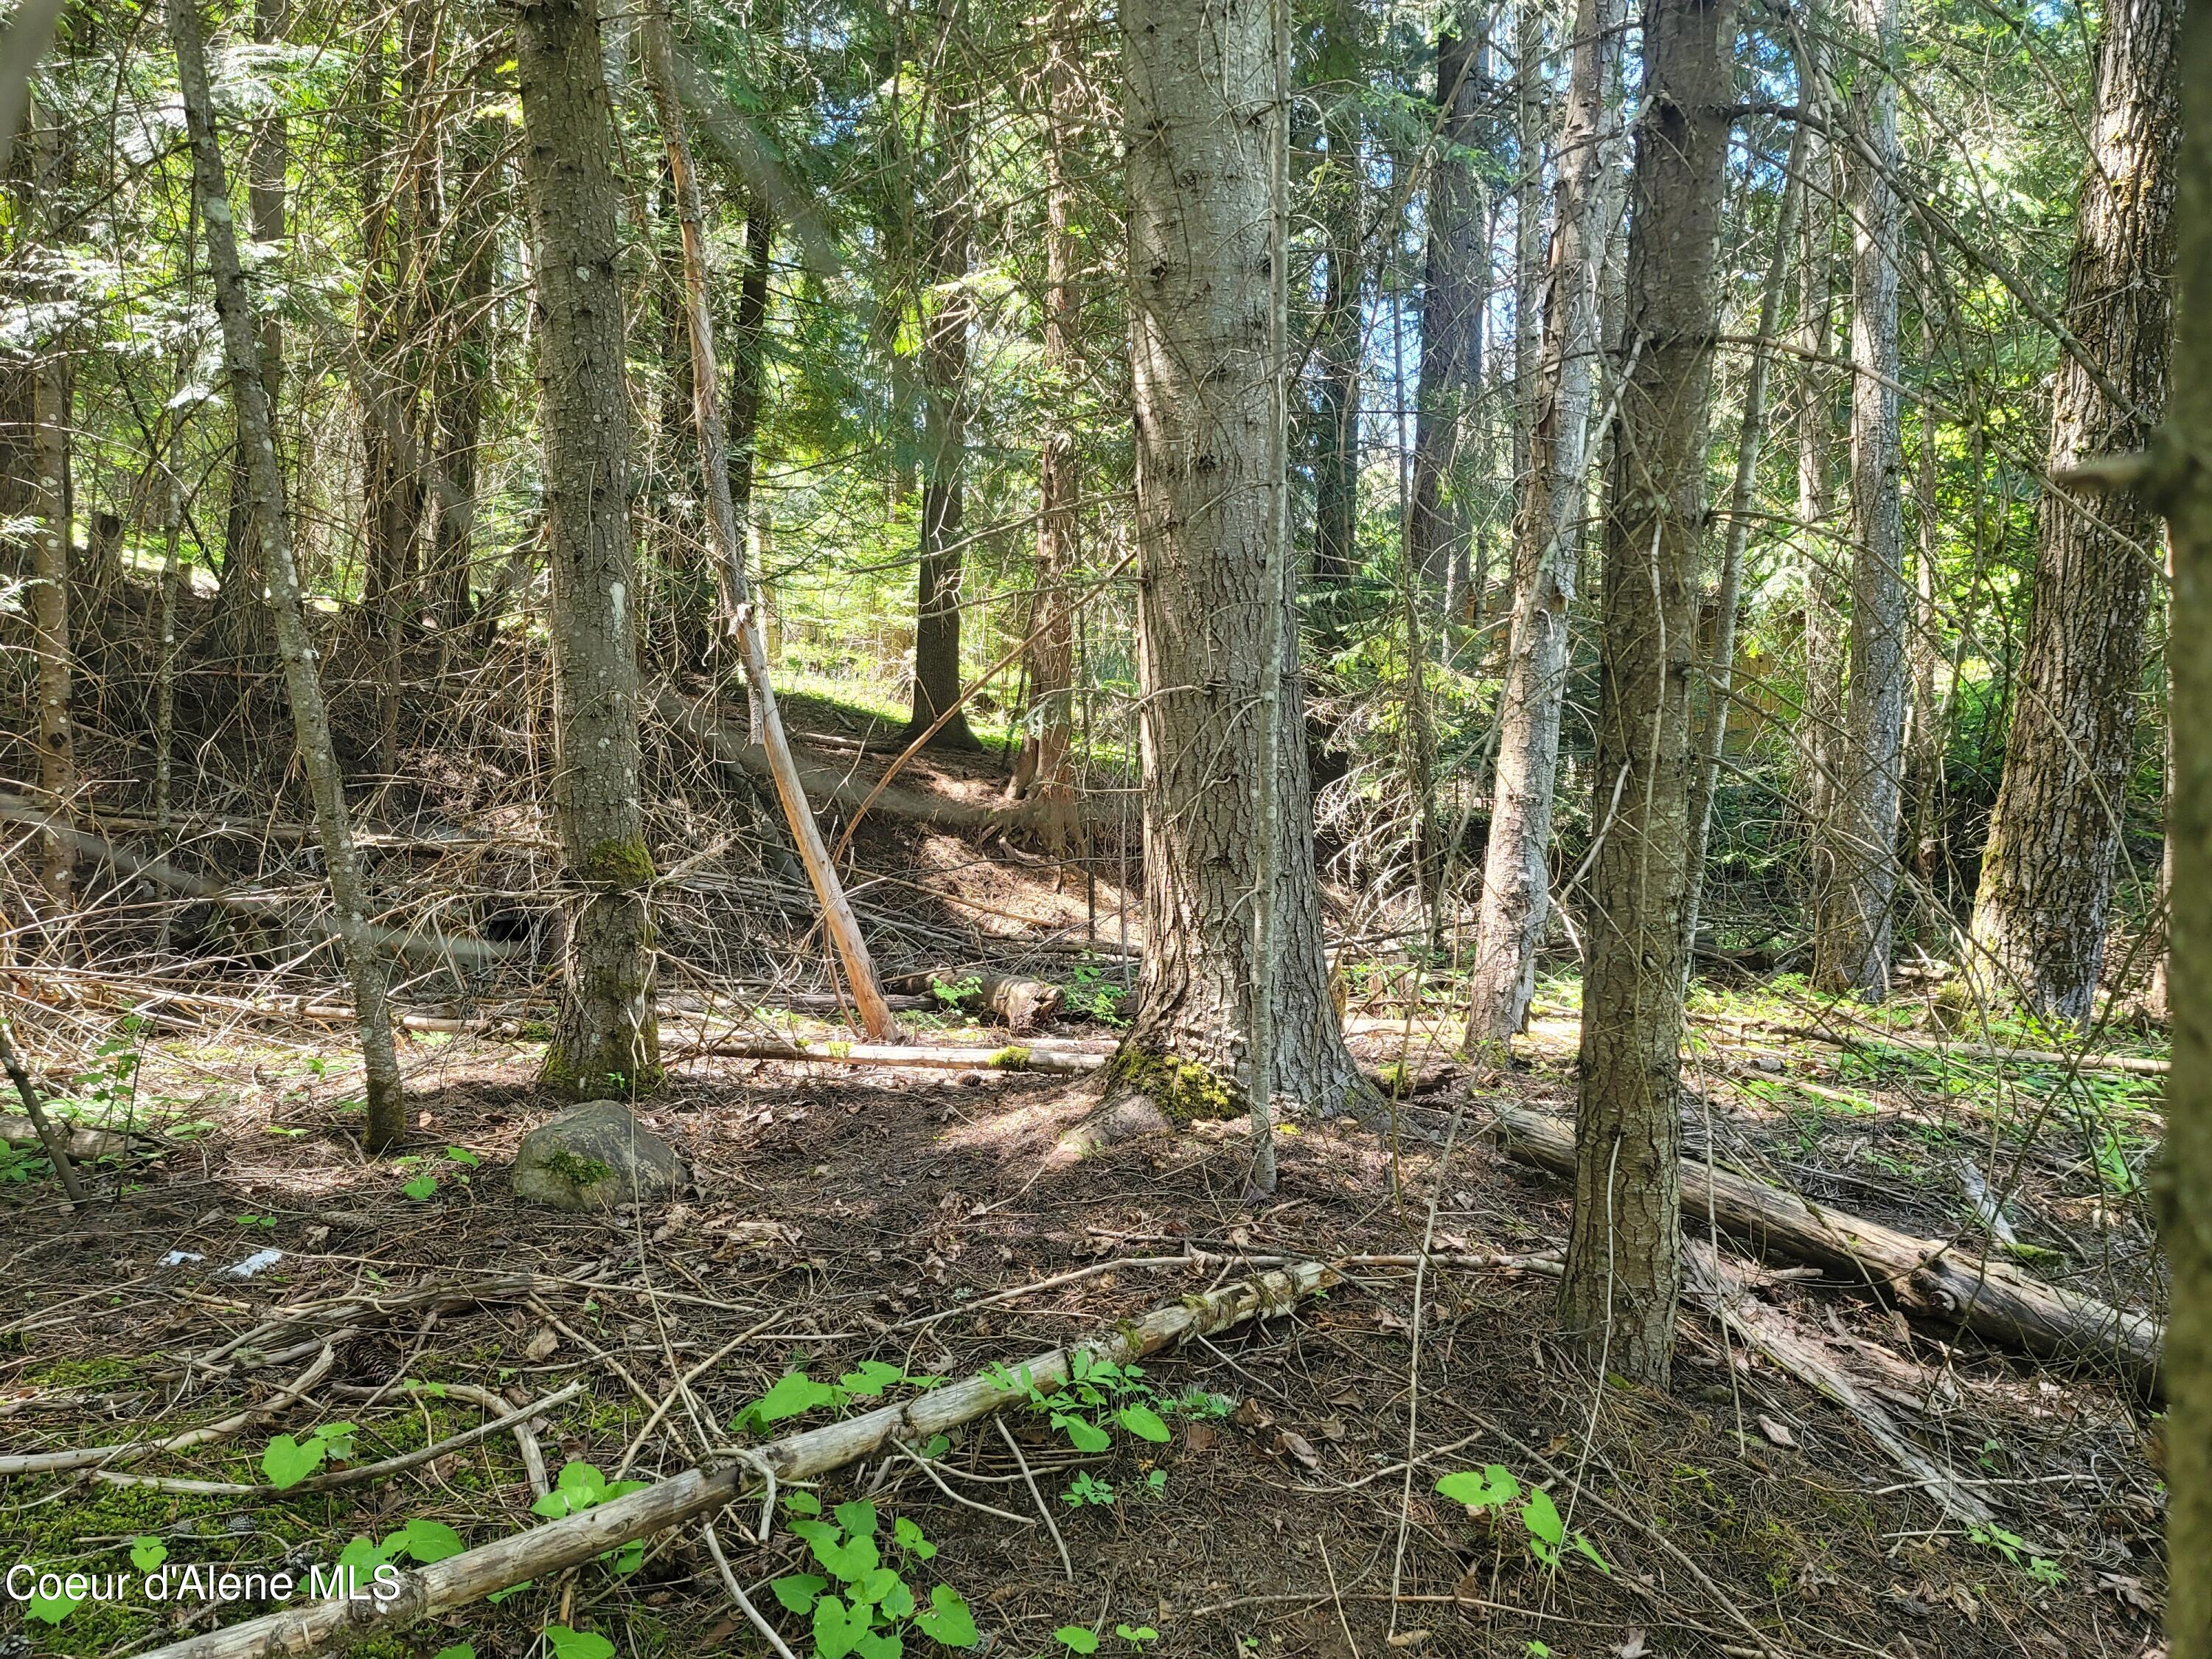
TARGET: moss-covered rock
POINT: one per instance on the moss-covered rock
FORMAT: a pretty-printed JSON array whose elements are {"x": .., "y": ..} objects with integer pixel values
[{"x": 594, "y": 1157}]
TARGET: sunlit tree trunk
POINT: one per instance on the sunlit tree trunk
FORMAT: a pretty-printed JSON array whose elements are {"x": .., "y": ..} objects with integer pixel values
[
  {"x": 52, "y": 391},
  {"x": 365, "y": 968},
  {"x": 1623, "y": 1269},
  {"x": 1546, "y": 552},
  {"x": 2040, "y": 914},
  {"x": 606, "y": 1041},
  {"x": 1452, "y": 292},
  {"x": 1852, "y": 929},
  {"x": 1339, "y": 331},
  {"x": 1200, "y": 93},
  {"x": 748, "y": 382}
]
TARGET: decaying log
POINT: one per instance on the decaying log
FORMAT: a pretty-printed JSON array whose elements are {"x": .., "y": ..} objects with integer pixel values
[
  {"x": 1711, "y": 1283},
  {"x": 1924, "y": 1278},
  {"x": 318, "y": 1626},
  {"x": 423, "y": 943},
  {"x": 1023, "y": 1004},
  {"x": 80, "y": 1142}
]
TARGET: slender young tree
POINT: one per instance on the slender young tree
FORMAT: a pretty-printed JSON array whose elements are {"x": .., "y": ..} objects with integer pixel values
[
  {"x": 607, "y": 1039},
  {"x": 1339, "y": 331},
  {"x": 1440, "y": 527},
  {"x": 1821, "y": 730},
  {"x": 1852, "y": 929},
  {"x": 1201, "y": 88},
  {"x": 1624, "y": 1250},
  {"x": 1546, "y": 552},
  {"x": 52, "y": 394},
  {"x": 1044, "y": 770},
  {"x": 948, "y": 311},
  {"x": 235, "y": 309},
  {"x": 2040, "y": 913}
]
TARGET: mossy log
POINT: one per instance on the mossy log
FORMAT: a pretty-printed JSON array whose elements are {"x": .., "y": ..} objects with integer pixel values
[{"x": 1023, "y": 1003}]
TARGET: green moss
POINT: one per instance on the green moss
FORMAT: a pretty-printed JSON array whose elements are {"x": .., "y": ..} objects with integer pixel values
[
  {"x": 1396, "y": 1079},
  {"x": 619, "y": 863},
  {"x": 557, "y": 1071},
  {"x": 535, "y": 1030},
  {"x": 1011, "y": 1057},
  {"x": 1184, "y": 1090},
  {"x": 578, "y": 1171},
  {"x": 80, "y": 1373}
]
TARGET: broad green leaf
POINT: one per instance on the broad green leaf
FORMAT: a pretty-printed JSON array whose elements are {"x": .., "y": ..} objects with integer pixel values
[
  {"x": 948, "y": 1620},
  {"x": 874, "y": 1585},
  {"x": 797, "y": 1590},
  {"x": 1583, "y": 1544},
  {"x": 1083, "y": 1434},
  {"x": 362, "y": 1555},
  {"x": 148, "y": 1554},
  {"x": 909, "y": 1536},
  {"x": 422, "y": 1188},
  {"x": 1542, "y": 1517},
  {"x": 1494, "y": 1486},
  {"x": 835, "y": 1632},
  {"x": 432, "y": 1540},
  {"x": 630, "y": 1556},
  {"x": 794, "y": 1393},
  {"x": 899, "y": 1603},
  {"x": 287, "y": 1462},
  {"x": 801, "y": 1503},
  {"x": 871, "y": 1379},
  {"x": 500, "y": 1596},
  {"x": 577, "y": 1643},
  {"x": 1143, "y": 1422},
  {"x": 459, "y": 1651},
  {"x": 51, "y": 1609},
  {"x": 857, "y": 1517},
  {"x": 880, "y": 1644},
  {"x": 1075, "y": 1639}
]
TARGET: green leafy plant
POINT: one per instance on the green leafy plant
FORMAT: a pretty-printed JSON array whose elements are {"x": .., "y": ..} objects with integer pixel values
[
  {"x": 1095, "y": 996},
  {"x": 567, "y": 1644},
  {"x": 287, "y": 1462},
  {"x": 2018, "y": 1552},
  {"x": 864, "y": 1606},
  {"x": 953, "y": 992},
  {"x": 1137, "y": 1636},
  {"x": 1098, "y": 1396},
  {"x": 795, "y": 1394},
  {"x": 1496, "y": 1489},
  {"x": 1088, "y": 1488},
  {"x": 420, "y": 1541},
  {"x": 148, "y": 1554},
  {"x": 1075, "y": 1639},
  {"x": 579, "y": 1486}
]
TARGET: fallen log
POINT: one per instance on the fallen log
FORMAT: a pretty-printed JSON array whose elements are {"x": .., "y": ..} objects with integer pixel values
[
  {"x": 1023, "y": 1004},
  {"x": 319, "y": 1627},
  {"x": 425, "y": 944},
  {"x": 1872, "y": 1036},
  {"x": 1014, "y": 1057},
  {"x": 1926, "y": 1279}
]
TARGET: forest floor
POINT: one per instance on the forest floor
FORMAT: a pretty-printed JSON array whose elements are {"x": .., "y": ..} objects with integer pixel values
[{"x": 843, "y": 1215}]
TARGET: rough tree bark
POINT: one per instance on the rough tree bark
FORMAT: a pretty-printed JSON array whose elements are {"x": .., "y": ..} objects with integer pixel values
[
  {"x": 1623, "y": 1261},
  {"x": 948, "y": 311},
  {"x": 1453, "y": 291},
  {"x": 1821, "y": 730},
  {"x": 364, "y": 968},
  {"x": 748, "y": 379},
  {"x": 1198, "y": 102},
  {"x": 1044, "y": 769},
  {"x": 606, "y": 1041},
  {"x": 2039, "y": 917},
  {"x": 1339, "y": 329},
  {"x": 1546, "y": 552},
  {"x": 1854, "y": 921},
  {"x": 2184, "y": 493},
  {"x": 468, "y": 266},
  {"x": 52, "y": 396}
]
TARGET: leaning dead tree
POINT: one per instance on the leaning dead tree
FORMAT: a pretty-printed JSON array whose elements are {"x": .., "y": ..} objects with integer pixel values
[{"x": 743, "y": 615}]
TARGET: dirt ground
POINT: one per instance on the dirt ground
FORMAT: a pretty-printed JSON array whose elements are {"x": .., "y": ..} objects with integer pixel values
[{"x": 847, "y": 1215}]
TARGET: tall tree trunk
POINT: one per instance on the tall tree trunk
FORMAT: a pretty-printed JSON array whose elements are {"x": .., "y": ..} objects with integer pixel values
[
  {"x": 1547, "y": 553},
  {"x": 52, "y": 394},
  {"x": 1821, "y": 726},
  {"x": 2186, "y": 495},
  {"x": 1454, "y": 289},
  {"x": 1743, "y": 495},
  {"x": 948, "y": 311},
  {"x": 243, "y": 615},
  {"x": 1044, "y": 770},
  {"x": 387, "y": 1120},
  {"x": 1623, "y": 1269},
  {"x": 1339, "y": 331},
  {"x": 718, "y": 464},
  {"x": 1199, "y": 82},
  {"x": 465, "y": 370},
  {"x": 607, "y": 1040},
  {"x": 1852, "y": 930},
  {"x": 2039, "y": 917}
]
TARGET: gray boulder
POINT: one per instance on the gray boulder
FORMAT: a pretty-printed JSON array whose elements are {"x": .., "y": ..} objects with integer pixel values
[{"x": 596, "y": 1156}]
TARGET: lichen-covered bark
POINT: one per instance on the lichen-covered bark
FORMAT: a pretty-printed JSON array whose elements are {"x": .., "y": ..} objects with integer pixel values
[
  {"x": 1623, "y": 1266},
  {"x": 606, "y": 1041},
  {"x": 1853, "y": 924},
  {"x": 1547, "y": 553},
  {"x": 1200, "y": 100},
  {"x": 2039, "y": 917}
]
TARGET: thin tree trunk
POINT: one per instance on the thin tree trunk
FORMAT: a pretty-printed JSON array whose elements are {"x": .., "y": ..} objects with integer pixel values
[
  {"x": 717, "y": 464},
  {"x": 748, "y": 374},
  {"x": 1623, "y": 1275},
  {"x": 1743, "y": 494},
  {"x": 607, "y": 1040},
  {"x": 1530, "y": 274},
  {"x": 1044, "y": 770},
  {"x": 365, "y": 968},
  {"x": 1340, "y": 329},
  {"x": 2184, "y": 494},
  {"x": 464, "y": 376},
  {"x": 1821, "y": 731},
  {"x": 242, "y": 615},
  {"x": 2046, "y": 884},
  {"x": 51, "y": 397},
  {"x": 948, "y": 311},
  {"x": 1547, "y": 538},
  {"x": 1853, "y": 927},
  {"x": 1207, "y": 506},
  {"x": 1924, "y": 745},
  {"x": 1454, "y": 289}
]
